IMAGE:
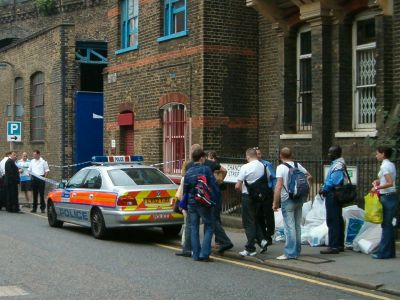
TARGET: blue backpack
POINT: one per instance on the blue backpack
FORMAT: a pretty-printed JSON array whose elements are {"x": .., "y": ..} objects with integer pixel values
[{"x": 298, "y": 187}]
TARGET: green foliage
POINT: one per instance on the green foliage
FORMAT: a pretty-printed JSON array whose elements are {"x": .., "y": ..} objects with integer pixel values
[{"x": 46, "y": 7}]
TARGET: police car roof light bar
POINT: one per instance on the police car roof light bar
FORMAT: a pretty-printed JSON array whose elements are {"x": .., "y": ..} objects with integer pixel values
[{"x": 120, "y": 159}]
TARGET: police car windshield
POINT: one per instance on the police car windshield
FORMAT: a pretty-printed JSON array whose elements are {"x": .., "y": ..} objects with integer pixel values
[{"x": 137, "y": 176}]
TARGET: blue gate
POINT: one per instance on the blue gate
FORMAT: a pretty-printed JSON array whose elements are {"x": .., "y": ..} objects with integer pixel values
[{"x": 88, "y": 126}]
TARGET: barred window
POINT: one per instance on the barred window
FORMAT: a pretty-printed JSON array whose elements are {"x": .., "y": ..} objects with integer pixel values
[
  {"x": 37, "y": 107},
  {"x": 304, "y": 80},
  {"x": 364, "y": 64}
]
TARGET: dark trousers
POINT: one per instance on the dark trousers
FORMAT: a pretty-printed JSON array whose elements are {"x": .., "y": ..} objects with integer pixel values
[
  {"x": 266, "y": 220},
  {"x": 250, "y": 210},
  {"x": 220, "y": 235},
  {"x": 387, "y": 246},
  {"x": 12, "y": 198},
  {"x": 38, "y": 186},
  {"x": 334, "y": 220},
  {"x": 3, "y": 197}
]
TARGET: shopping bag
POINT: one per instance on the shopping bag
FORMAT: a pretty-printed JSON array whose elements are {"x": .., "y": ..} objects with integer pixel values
[{"x": 373, "y": 208}]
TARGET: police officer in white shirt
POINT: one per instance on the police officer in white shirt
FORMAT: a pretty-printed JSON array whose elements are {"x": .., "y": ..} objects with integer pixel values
[
  {"x": 38, "y": 167},
  {"x": 3, "y": 190}
]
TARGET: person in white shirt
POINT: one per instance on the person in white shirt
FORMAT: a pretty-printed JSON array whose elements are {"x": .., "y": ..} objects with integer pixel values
[
  {"x": 291, "y": 208},
  {"x": 250, "y": 172},
  {"x": 38, "y": 167},
  {"x": 386, "y": 187},
  {"x": 3, "y": 190}
]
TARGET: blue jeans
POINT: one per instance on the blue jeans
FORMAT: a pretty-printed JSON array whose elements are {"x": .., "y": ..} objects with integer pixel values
[
  {"x": 334, "y": 220},
  {"x": 387, "y": 246},
  {"x": 291, "y": 211},
  {"x": 196, "y": 212},
  {"x": 220, "y": 235}
]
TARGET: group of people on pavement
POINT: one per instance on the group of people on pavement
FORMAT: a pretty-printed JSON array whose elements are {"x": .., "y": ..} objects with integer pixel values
[
  {"x": 29, "y": 174},
  {"x": 265, "y": 190}
]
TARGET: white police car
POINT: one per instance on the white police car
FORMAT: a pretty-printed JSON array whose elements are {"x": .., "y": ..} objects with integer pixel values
[{"x": 119, "y": 192}]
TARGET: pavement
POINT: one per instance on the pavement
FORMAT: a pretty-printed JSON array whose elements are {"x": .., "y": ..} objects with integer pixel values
[{"x": 349, "y": 267}]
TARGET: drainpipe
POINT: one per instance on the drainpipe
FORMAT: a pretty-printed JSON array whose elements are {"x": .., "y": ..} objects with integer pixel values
[{"x": 63, "y": 93}]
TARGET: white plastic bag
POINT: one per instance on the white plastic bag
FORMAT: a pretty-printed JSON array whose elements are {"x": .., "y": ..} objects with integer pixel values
[
  {"x": 317, "y": 235},
  {"x": 314, "y": 218},
  {"x": 305, "y": 210},
  {"x": 368, "y": 238},
  {"x": 354, "y": 219},
  {"x": 279, "y": 227}
]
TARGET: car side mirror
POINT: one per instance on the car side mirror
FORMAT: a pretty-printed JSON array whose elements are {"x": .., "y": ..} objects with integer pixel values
[{"x": 62, "y": 185}]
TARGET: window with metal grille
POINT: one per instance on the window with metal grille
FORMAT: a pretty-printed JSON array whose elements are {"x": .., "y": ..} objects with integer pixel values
[
  {"x": 19, "y": 97},
  {"x": 129, "y": 24},
  {"x": 37, "y": 107},
  {"x": 304, "y": 80},
  {"x": 174, "y": 134},
  {"x": 174, "y": 19},
  {"x": 364, "y": 64}
]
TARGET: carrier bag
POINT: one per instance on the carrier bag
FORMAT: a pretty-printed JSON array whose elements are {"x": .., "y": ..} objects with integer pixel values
[{"x": 373, "y": 208}]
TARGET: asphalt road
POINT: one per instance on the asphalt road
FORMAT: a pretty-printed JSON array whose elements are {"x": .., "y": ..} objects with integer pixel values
[{"x": 39, "y": 262}]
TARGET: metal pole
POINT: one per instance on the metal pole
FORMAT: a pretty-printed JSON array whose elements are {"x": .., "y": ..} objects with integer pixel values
[{"x": 11, "y": 95}]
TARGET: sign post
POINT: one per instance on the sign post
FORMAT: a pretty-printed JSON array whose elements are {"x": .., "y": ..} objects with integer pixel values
[{"x": 14, "y": 132}]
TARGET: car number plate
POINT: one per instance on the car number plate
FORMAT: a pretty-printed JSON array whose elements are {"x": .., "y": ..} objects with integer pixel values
[
  {"x": 161, "y": 216},
  {"x": 157, "y": 200}
]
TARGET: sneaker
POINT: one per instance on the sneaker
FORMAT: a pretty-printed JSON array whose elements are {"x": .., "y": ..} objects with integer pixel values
[
  {"x": 264, "y": 246},
  {"x": 33, "y": 211},
  {"x": 247, "y": 253},
  {"x": 282, "y": 257},
  {"x": 225, "y": 248}
]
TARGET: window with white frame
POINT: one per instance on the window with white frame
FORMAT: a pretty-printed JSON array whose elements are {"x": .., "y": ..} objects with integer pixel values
[
  {"x": 129, "y": 24},
  {"x": 37, "y": 107},
  {"x": 174, "y": 19},
  {"x": 304, "y": 80},
  {"x": 174, "y": 134},
  {"x": 364, "y": 72}
]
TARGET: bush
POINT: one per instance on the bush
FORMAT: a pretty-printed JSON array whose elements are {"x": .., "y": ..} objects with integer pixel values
[{"x": 46, "y": 7}]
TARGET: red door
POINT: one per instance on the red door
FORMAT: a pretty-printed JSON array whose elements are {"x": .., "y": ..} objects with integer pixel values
[{"x": 127, "y": 145}]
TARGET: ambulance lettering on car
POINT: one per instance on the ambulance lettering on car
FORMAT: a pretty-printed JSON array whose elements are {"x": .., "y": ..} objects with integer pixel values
[{"x": 116, "y": 192}]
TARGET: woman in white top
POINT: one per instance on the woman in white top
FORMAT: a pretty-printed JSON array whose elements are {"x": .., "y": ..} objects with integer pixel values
[{"x": 386, "y": 187}]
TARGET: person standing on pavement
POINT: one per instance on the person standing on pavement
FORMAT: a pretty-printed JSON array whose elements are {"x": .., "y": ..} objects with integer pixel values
[
  {"x": 291, "y": 208},
  {"x": 11, "y": 181},
  {"x": 334, "y": 218},
  {"x": 386, "y": 187},
  {"x": 186, "y": 232},
  {"x": 3, "y": 190},
  {"x": 250, "y": 172},
  {"x": 38, "y": 167},
  {"x": 267, "y": 216},
  {"x": 23, "y": 165},
  {"x": 196, "y": 210},
  {"x": 221, "y": 238}
]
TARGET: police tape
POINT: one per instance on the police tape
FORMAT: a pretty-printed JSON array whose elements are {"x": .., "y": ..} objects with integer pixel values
[
  {"x": 48, "y": 180},
  {"x": 167, "y": 162},
  {"x": 73, "y": 165}
]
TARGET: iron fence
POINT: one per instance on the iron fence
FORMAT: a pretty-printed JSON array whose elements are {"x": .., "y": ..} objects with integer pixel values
[{"x": 366, "y": 171}]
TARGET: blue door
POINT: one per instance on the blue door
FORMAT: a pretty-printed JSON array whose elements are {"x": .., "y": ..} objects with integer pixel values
[{"x": 88, "y": 127}]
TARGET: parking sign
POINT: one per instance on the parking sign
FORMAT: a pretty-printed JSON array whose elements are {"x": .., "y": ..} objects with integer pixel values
[{"x": 14, "y": 131}]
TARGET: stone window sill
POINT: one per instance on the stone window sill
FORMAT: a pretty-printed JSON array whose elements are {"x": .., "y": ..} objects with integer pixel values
[
  {"x": 296, "y": 136},
  {"x": 356, "y": 134}
]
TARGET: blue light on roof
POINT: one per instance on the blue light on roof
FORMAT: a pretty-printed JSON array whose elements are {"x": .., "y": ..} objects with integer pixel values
[{"x": 117, "y": 159}]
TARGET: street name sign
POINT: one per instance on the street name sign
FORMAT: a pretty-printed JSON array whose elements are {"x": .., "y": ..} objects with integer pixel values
[{"x": 14, "y": 131}]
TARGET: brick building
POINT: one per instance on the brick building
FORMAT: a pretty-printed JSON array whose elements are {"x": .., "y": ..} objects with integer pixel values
[
  {"x": 184, "y": 72},
  {"x": 328, "y": 73},
  {"x": 45, "y": 60}
]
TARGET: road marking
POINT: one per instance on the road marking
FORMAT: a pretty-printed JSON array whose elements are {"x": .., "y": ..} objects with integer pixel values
[
  {"x": 285, "y": 274},
  {"x": 36, "y": 215},
  {"x": 11, "y": 291}
]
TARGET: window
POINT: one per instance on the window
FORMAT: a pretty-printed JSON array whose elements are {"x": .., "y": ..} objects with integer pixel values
[
  {"x": 77, "y": 180},
  {"x": 174, "y": 19},
  {"x": 364, "y": 66},
  {"x": 92, "y": 180},
  {"x": 304, "y": 80},
  {"x": 19, "y": 97},
  {"x": 37, "y": 107},
  {"x": 174, "y": 127},
  {"x": 129, "y": 25},
  {"x": 137, "y": 176}
]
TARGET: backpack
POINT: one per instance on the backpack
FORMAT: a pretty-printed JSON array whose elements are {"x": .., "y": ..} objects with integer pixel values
[
  {"x": 202, "y": 192},
  {"x": 259, "y": 190},
  {"x": 298, "y": 187}
]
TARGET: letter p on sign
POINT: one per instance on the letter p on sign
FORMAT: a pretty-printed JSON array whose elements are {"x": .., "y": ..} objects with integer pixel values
[{"x": 14, "y": 131}]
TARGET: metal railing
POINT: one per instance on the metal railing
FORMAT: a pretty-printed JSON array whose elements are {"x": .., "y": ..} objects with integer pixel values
[{"x": 367, "y": 171}]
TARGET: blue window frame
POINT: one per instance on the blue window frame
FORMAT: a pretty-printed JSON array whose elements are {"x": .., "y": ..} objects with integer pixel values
[
  {"x": 129, "y": 25},
  {"x": 175, "y": 19}
]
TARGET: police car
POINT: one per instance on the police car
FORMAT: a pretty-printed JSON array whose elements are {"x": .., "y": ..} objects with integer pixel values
[{"x": 116, "y": 192}]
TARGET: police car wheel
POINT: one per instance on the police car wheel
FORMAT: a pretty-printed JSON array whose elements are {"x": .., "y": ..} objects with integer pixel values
[
  {"x": 52, "y": 216},
  {"x": 98, "y": 226},
  {"x": 172, "y": 230}
]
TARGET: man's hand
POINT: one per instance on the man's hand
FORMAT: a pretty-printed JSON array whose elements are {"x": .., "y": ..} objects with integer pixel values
[{"x": 275, "y": 206}]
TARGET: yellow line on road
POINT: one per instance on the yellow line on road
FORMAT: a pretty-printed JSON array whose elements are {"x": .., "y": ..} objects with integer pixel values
[{"x": 293, "y": 276}]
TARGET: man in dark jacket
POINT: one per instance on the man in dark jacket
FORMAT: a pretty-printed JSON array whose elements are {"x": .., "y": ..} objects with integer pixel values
[{"x": 11, "y": 183}]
